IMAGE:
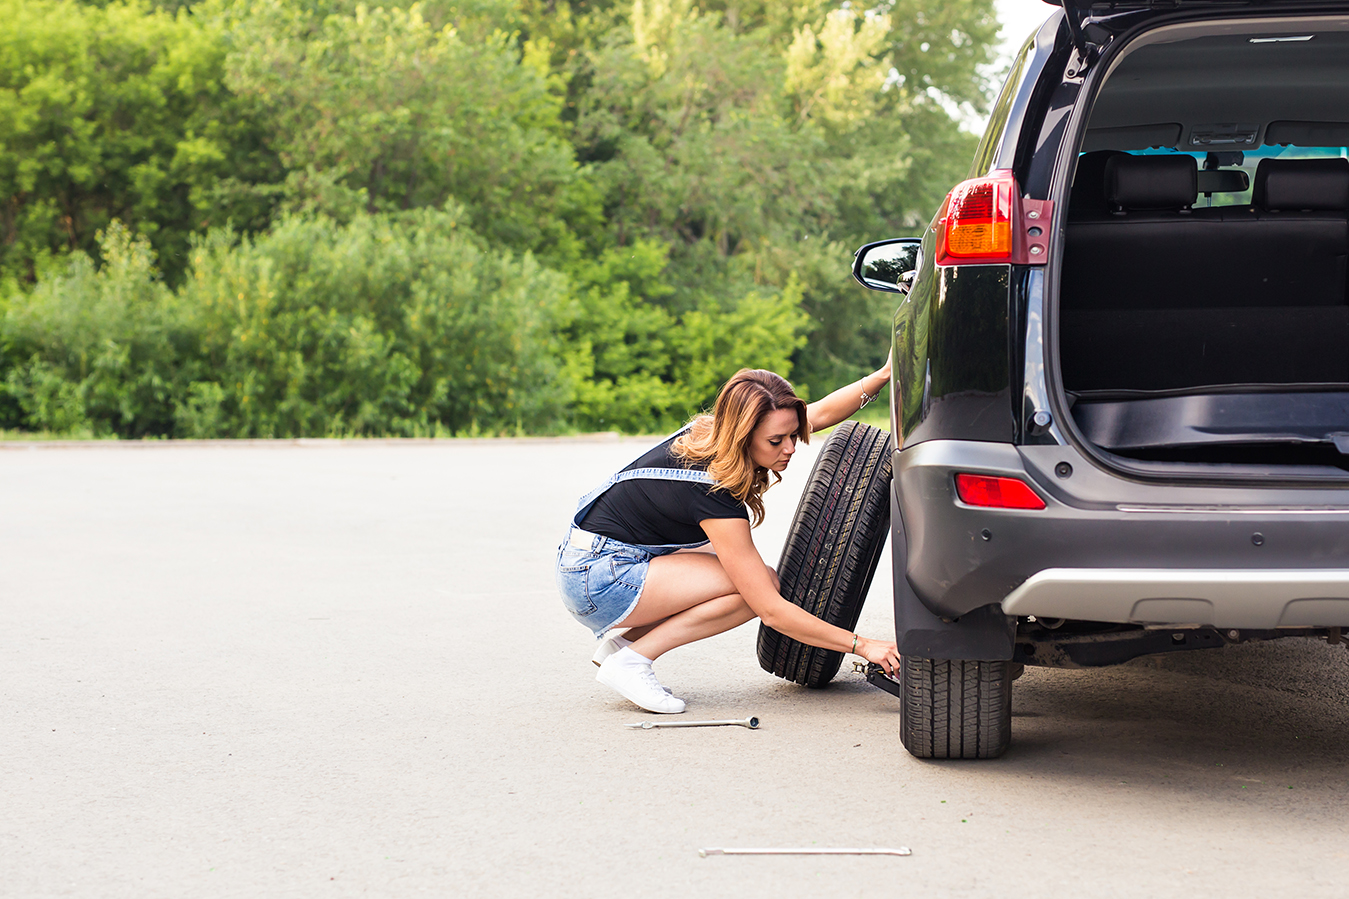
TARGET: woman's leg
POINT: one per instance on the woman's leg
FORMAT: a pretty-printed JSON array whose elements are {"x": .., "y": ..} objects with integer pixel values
[
  {"x": 703, "y": 620},
  {"x": 687, "y": 597},
  {"x": 636, "y": 633}
]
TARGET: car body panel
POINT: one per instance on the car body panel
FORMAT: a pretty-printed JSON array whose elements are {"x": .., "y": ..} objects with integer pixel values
[{"x": 952, "y": 352}]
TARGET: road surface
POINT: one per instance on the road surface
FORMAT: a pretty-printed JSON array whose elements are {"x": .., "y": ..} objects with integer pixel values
[{"x": 340, "y": 669}]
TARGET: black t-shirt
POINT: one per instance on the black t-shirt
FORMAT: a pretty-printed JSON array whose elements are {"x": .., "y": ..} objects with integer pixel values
[{"x": 643, "y": 510}]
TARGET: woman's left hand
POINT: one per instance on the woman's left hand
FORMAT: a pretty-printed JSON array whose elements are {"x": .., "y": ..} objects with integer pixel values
[
  {"x": 884, "y": 654},
  {"x": 885, "y": 370}
]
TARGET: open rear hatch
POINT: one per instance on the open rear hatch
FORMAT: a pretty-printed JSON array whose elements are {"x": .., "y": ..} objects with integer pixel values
[{"x": 1203, "y": 301}]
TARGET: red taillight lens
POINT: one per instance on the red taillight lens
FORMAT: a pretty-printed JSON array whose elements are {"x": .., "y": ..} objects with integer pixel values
[
  {"x": 996, "y": 493},
  {"x": 978, "y": 220}
]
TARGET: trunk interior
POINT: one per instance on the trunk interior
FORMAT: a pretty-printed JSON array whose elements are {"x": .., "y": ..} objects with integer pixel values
[{"x": 1203, "y": 303}]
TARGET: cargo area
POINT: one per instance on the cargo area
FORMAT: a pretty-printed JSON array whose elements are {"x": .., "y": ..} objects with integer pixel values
[{"x": 1203, "y": 301}]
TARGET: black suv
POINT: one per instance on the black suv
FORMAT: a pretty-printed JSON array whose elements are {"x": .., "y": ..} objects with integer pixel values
[{"x": 1121, "y": 365}]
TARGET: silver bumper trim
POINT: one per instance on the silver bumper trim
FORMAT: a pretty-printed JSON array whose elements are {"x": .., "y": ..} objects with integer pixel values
[
  {"x": 1259, "y": 599},
  {"x": 1230, "y": 510}
]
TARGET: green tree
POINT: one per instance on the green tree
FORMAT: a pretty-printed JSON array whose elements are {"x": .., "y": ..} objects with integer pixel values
[
  {"x": 763, "y": 142},
  {"x": 388, "y": 324},
  {"x": 119, "y": 112},
  {"x": 375, "y": 110}
]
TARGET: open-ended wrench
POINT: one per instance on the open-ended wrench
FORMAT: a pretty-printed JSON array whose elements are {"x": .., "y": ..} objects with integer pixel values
[{"x": 751, "y": 723}]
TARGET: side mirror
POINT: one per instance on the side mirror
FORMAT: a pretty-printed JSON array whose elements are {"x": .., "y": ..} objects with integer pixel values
[{"x": 887, "y": 264}]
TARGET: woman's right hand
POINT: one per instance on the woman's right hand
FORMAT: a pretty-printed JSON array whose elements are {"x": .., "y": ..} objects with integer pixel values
[{"x": 884, "y": 654}]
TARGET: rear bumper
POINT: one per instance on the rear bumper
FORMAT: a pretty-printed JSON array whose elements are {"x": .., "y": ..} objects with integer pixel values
[
  {"x": 1247, "y": 599},
  {"x": 1107, "y": 549}
]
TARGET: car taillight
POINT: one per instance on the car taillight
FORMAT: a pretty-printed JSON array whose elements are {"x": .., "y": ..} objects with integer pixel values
[
  {"x": 982, "y": 222},
  {"x": 979, "y": 218},
  {"x": 996, "y": 493}
]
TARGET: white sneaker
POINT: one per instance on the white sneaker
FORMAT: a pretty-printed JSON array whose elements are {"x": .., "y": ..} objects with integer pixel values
[
  {"x": 609, "y": 647},
  {"x": 631, "y": 675}
]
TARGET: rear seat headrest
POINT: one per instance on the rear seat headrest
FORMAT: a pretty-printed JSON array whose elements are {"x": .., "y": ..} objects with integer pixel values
[
  {"x": 1314, "y": 184},
  {"x": 1087, "y": 199},
  {"x": 1151, "y": 182}
]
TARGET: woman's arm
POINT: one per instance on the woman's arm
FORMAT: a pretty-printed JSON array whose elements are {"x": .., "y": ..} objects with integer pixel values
[
  {"x": 846, "y": 401},
  {"x": 735, "y": 549}
]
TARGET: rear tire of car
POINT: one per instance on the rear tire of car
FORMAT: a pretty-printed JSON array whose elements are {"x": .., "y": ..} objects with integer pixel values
[
  {"x": 955, "y": 709},
  {"x": 832, "y": 548}
]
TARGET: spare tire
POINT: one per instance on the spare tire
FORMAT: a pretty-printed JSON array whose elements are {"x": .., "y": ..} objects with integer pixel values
[{"x": 832, "y": 548}]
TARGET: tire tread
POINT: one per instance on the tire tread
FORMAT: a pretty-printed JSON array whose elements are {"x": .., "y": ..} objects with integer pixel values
[
  {"x": 955, "y": 709},
  {"x": 832, "y": 548}
]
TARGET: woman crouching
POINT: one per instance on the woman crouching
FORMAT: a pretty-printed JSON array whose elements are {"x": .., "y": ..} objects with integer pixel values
[{"x": 621, "y": 563}]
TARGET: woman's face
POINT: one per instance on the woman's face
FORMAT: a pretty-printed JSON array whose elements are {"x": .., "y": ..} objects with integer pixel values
[{"x": 774, "y": 441}]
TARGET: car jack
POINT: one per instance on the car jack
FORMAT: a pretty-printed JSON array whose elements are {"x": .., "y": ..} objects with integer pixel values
[{"x": 877, "y": 677}]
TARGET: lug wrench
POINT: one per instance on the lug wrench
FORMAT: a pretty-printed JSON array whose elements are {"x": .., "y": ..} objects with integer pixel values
[
  {"x": 751, "y": 723},
  {"x": 902, "y": 850}
]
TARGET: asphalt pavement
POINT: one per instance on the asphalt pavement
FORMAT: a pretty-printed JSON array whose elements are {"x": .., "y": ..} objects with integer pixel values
[{"x": 340, "y": 669}]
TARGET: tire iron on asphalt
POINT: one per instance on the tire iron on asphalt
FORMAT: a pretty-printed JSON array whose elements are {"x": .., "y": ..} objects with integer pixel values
[
  {"x": 902, "y": 850},
  {"x": 751, "y": 723}
]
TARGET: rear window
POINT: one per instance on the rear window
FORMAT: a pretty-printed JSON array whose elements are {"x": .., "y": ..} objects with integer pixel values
[
  {"x": 1229, "y": 93},
  {"x": 1245, "y": 161}
]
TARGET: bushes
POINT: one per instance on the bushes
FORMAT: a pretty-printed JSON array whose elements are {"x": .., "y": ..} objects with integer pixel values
[
  {"x": 390, "y": 324},
  {"x": 95, "y": 352},
  {"x": 403, "y": 324},
  {"x": 637, "y": 365}
]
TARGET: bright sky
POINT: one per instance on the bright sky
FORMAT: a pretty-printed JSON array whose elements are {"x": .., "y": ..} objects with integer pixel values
[{"x": 1019, "y": 18}]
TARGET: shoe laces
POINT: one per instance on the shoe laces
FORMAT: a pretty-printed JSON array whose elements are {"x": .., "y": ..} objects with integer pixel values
[{"x": 648, "y": 677}]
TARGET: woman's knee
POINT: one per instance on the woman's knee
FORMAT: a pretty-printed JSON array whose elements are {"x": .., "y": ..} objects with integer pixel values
[
  {"x": 777, "y": 582},
  {"x": 731, "y": 603},
  {"x": 734, "y": 607}
]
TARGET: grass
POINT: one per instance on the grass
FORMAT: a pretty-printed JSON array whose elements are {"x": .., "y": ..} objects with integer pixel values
[
  {"x": 7, "y": 435},
  {"x": 877, "y": 415}
]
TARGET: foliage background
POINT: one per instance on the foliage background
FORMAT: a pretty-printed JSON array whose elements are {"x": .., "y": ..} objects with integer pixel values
[{"x": 250, "y": 218}]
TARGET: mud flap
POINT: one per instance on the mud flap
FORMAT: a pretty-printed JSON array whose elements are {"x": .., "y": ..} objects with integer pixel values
[{"x": 982, "y": 634}]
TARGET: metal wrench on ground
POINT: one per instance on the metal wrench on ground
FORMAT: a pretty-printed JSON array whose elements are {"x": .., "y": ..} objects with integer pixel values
[{"x": 751, "y": 723}]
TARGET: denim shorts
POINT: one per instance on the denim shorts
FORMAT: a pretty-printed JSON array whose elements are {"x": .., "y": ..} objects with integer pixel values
[{"x": 600, "y": 578}]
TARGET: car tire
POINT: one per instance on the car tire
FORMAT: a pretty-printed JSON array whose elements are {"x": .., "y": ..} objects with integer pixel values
[
  {"x": 955, "y": 709},
  {"x": 832, "y": 548}
]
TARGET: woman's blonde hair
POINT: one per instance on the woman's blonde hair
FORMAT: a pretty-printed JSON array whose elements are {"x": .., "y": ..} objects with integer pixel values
[{"x": 722, "y": 439}]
